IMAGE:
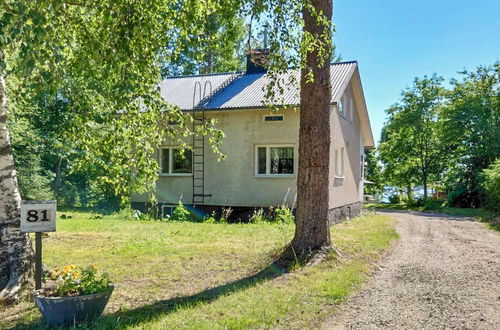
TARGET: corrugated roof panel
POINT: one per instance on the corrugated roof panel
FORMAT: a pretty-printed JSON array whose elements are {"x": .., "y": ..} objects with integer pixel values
[
  {"x": 248, "y": 90},
  {"x": 180, "y": 90}
]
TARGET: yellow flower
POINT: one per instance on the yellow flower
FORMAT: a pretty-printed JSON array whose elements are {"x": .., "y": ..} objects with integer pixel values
[{"x": 75, "y": 274}]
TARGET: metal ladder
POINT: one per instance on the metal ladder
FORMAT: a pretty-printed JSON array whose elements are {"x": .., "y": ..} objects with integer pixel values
[{"x": 198, "y": 144}]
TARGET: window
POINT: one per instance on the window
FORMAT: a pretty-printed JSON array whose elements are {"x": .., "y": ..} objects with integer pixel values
[
  {"x": 339, "y": 162},
  {"x": 351, "y": 109},
  {"x": 167, "y": 210},
  {"x": 274, "y": 118},
  {"x": 341, "y": 106},
  {"x": 275, "y": 160},
  {"x": 173, "y": 161}
]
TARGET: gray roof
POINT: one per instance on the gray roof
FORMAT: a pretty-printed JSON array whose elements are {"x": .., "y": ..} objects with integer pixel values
[{"x": 244, "y": 91}]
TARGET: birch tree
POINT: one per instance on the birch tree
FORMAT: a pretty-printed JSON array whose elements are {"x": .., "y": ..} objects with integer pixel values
[{"x": 107, "y": 55}]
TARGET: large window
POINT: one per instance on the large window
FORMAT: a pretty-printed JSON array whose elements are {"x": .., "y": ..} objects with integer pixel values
[
  {"x": 173, "y": 161},
  {"x": 275, "y": 160}
]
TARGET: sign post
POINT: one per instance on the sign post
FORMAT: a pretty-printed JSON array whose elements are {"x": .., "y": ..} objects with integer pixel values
[{"x": 38, "y": 217}]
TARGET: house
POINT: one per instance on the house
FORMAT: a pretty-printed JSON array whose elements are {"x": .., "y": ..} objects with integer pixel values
[{"x": 261, "y": 146}]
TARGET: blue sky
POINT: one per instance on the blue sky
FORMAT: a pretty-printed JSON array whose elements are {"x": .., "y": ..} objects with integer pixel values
[{"x": 396, "y": 41}]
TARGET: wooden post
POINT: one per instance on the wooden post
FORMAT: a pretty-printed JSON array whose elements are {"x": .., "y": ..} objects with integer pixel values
[{"x": 38, "y": 261}]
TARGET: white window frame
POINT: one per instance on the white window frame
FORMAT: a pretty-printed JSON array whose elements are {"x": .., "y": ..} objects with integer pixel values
[
  {"x": 273, "y": 121},
  {"x": 351, "y": 109},
  {"x": 171, "y": 162},
  {"x": 268, "y": 161},
  {"x": 341, "y": 107},
  {"x": 172, "y": 208},
  {"x": 339, "y": 163}
]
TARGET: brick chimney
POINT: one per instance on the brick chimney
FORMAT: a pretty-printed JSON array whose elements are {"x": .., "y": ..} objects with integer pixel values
[{"x": 257, "y": 60}]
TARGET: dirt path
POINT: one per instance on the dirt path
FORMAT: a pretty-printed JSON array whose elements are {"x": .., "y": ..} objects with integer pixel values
[{"x": 444, "y": 273}]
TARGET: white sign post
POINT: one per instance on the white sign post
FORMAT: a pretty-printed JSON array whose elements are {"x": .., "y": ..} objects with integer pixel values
[{"x": 38, "y": 217}]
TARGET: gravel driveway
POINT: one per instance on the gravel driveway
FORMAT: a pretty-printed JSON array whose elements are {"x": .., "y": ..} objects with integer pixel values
[{"x": 444, "y": 273}]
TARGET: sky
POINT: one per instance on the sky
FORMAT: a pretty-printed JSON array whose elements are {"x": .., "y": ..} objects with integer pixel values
[{"x": 395, "y": 41}]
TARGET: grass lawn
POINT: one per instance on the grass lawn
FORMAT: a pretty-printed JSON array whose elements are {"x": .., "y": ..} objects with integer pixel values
[{"x": 206, "y": 276}]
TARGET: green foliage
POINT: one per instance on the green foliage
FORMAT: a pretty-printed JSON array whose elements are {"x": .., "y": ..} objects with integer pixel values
[
  {"x": 258, "y": 216},
  {"x": 283, "y": 214},
  {"x": 373, "y": 173},
  {"x": 103, "y": 61},
  {"x": 181, "y": 213},
  {"x": 491, "y": 185},
  {"x": 410, "y": 143},
  {"x": 470, "y": 126},
  {"x": 76, "y": 280},
  {"x": 430, "y": 204},
  {"x": 395, "y": 199}
]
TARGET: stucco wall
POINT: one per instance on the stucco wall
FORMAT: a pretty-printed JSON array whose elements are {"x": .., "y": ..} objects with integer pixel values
[
  {"x": 233, "y": 181},
  {"x": 346, "y": 134}
]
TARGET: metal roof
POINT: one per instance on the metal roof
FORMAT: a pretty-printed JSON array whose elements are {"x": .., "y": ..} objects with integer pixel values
[{"x": 244, "y": 91}]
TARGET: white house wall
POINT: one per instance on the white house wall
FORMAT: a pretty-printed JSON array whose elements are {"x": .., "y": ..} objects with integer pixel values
[
  {"x": 233, "y": 181},
  {"x": 345, "y": 134}
]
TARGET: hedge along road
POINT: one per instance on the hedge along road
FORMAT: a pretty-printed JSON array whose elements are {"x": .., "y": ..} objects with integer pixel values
[{"x": 444, "y": 273}]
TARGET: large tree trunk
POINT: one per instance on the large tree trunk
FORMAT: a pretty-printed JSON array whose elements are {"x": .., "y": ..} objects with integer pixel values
[
  {"x": 16, "y": 254},
  {"x": 312, "y": 229}
]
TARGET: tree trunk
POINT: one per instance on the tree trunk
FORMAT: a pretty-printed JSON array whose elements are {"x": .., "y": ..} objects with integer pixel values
[
  {"x": 16, "y": 254},
  {"x": 409, "y": 193},
  {"x": 57, "y": 182},
  {"x": 312, "y": 228},
  {"x": 425, "y": 187}
]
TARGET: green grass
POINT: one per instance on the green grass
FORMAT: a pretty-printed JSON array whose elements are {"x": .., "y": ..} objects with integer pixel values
[
  {"x": 209, "y": 276},
  {"x": 483, "y": 215}
]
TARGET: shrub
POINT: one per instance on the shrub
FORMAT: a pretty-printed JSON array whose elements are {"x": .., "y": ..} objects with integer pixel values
[
  {"x": 258, "y": 216},
  {"x": 491, "y": 185},
  {"x": 394, "y": 199},
  {"x": 431, "y": 204},
  {"x": 211, "y": 219},
  {"x": 180, "y": 213},
  {"x": 226, "y": 213},
  {"x": 283, "y": 214}
]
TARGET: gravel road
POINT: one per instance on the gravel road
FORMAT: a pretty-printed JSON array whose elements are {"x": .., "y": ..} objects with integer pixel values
[{"x": 444, "y": 273}]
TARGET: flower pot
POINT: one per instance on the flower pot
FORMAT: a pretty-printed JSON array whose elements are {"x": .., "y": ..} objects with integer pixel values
[{"x": 58, "y": 311}]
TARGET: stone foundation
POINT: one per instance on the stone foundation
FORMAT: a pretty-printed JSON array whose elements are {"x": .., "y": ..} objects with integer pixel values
[
  {"x": 345, "y": 212},
  {"x": 243, "y": 214}
]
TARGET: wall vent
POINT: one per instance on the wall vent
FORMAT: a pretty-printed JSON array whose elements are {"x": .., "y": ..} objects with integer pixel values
[{"x": 274, "y": 118}]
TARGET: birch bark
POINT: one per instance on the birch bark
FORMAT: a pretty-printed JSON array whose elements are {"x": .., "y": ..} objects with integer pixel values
[{"x": 16, "y": 253}]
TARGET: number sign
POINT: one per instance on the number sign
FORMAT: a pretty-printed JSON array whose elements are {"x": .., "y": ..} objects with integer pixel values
[{"x": 38, "y": 216}]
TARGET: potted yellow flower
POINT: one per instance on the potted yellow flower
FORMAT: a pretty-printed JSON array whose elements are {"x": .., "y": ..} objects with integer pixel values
[{"x": 75, "y": 294}]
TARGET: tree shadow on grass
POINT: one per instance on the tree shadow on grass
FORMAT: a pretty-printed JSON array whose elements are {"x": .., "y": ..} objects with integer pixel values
[
  {"x": 122, "y": 319},
  {"x": 136, "y": 316}
]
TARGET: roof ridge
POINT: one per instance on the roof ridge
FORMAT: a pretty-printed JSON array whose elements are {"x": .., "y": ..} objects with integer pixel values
[{"x": 203, "y": 75}]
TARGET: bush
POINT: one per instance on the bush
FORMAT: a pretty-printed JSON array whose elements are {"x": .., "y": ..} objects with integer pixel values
[
  {"x": 283, "y": 214},
  {"x": 180, "y": 213},
  {"x": 491, "y": 185},
  {"x": 258, "y": 216},
  {"x": 463, "y": 198},
  {"x": 394, "y": 199},
  {"x": 432, "y": 204}
]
